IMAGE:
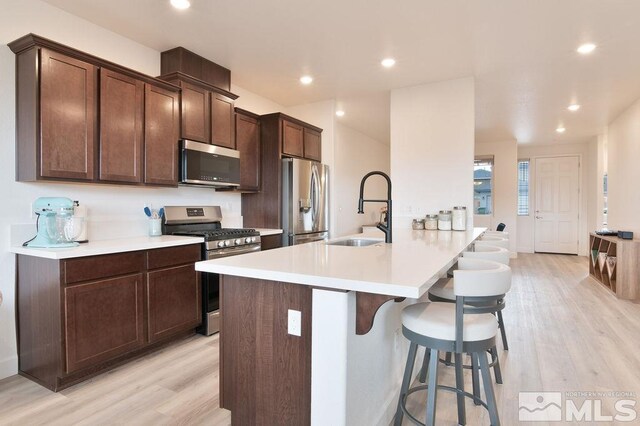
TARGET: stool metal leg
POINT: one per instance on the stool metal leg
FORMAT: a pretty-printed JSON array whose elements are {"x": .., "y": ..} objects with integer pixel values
[
  {"x": 505, "y": 344},
  {"x": 406, "y": 381},
  {"x": 475, "y": 379},
  {"x": 496, "y": 365},
  {"x": 425, "y": 366},
  {"x": 462, "y": 417},
  {"x": 481, "y": 358},
  {"x": 447, "y": 358},
  {"x": 432, "y": 389}
]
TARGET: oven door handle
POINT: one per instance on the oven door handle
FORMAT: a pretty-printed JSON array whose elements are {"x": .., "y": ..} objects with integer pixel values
[{"x": 217, "y": 254}]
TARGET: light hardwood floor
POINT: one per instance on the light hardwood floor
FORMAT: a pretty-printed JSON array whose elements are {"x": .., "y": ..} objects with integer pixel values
[{"x": 566, "y": 333}]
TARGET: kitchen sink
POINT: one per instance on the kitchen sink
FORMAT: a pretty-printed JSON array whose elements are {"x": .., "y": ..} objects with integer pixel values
[{"x": 355, "y": 242}]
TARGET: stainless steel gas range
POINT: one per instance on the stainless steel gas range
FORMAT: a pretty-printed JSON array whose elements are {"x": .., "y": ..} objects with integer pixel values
[{"x": 204, "y": 221}]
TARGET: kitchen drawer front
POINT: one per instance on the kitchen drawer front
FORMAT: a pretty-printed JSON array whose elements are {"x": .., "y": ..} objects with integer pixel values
[
  {"x": 271, "y": 241},
  {"x": 172, "y": 256},
  {"x": 174, "y": 301},
  {"x": 97, "y": 267},
  {"x": 103, "y": 319}
]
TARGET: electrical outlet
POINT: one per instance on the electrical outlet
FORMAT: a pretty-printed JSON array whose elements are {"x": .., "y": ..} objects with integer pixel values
[{"x": 295, "y": 323}]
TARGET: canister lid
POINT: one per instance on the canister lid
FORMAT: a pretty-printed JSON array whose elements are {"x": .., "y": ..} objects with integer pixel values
[
  {"x": 445, "y": 211},
  {"x": 432, "y": 216},
  {"x": 459, "y": 208}
]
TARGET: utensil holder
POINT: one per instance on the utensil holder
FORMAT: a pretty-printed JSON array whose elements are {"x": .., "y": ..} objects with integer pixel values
[{"x": 155, "y": 227}]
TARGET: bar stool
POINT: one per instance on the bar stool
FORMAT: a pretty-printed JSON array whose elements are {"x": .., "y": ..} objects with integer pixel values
[
  {"x": 492, "y": 241},
  {"x": 442, "y": 291},
  {"x": 501, "y": 234},
  {"x": 458, "y": 328}
]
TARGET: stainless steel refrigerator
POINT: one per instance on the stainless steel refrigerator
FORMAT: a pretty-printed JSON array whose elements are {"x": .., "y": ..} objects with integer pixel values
[{"x": 305, "y": 201}]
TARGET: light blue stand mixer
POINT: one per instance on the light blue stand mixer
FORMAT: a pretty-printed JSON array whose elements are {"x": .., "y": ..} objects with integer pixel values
[{"x": 56, "y": 225}]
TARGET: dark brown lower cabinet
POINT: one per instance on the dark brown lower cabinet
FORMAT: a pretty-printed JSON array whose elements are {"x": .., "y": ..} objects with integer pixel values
[
  {"x": 103, "y": 319},
  {"x": 173, "y": 301},
  {"x": 81, "y": 316},
  {"x": 269, "y": 242}
]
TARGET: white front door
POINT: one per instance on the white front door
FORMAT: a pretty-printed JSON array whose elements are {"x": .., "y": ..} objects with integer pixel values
[{"x": 557, "y": 204}]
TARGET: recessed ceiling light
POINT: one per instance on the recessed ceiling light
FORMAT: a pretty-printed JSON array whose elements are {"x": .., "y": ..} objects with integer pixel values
[
  {"x": 340, "y": 113},
  {"x": 573, "y": 107},
  {"x": 306, "y": 79},
  {"x": 586, "y": 48},
  {"x": 181, "y": 4},
  {"x": 560, "y": 129},
  {"x": 388, "y": 62}
]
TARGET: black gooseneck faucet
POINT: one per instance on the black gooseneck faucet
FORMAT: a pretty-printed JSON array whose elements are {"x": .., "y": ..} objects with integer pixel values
[{"x": 384, "y": 228}]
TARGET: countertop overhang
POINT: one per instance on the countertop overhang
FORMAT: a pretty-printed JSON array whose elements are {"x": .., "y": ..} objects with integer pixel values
[{"x": 405, "y": 268}]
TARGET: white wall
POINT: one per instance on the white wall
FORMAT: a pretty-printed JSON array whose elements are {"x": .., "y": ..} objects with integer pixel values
[
  {"x": 432, "y": 148},
  {"x": 114, "y": 211},
  {"x": 357, "y": 154},
  {"x": 505, "y": 187},
  {"x": 623, "y": 152},
  {"x": 588, "y": 170}
]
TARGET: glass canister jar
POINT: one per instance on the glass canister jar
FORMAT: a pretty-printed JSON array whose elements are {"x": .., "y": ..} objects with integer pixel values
[
  {"x": 459, "y": 218},
  {"x": 417, "y": 224},
  {"x": 431, "y": 222},
  {"x": 444, "y": 220}
]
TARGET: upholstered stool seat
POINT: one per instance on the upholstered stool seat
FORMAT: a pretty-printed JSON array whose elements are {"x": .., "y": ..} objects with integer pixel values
[
  {"x": 442, "y": 290},
  {"x": 492, "y": 241},
  {"x": 438, "y": 321}
]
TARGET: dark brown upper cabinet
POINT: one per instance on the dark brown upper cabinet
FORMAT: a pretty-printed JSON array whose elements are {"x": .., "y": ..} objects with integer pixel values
[
  {"x": 207, "y": 111},
  {"x": 82, "y": 118},
  {"x": 312, "y": 144},
  {"x": 280, "y": 136},
  {"x": 300, "y": 139},
  {"x": 60, "y": 101},
  {"x": 161, "y": 134},
  {"x": 196, "y": 113},
  {"x": 248, "y": 143},
  {"x": 292, "y": 139},
  {"x": 121, "y": 127},
  {"x": 189, "y": 63},
  {"x": 222, "y": 121}
]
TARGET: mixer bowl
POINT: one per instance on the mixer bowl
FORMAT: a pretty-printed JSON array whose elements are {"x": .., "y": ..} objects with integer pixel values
[{"x": 63, "y": 228}]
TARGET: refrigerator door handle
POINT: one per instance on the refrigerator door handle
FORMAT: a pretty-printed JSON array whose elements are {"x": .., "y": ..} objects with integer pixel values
[{"x": 315, "y": 195}]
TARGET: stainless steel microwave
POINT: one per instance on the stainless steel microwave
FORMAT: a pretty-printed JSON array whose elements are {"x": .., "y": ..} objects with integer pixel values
[{"x": 204, "y": 164}]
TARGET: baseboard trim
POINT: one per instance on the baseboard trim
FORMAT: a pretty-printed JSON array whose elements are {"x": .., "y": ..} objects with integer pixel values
[{"x": 8, "y": 367}]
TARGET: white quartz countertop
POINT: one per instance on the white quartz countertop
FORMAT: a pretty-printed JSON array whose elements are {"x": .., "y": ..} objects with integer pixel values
[
  {"x": 267, "y": 231},
  {"x": 94, "y": 248},
  {"x": 405, "y": 268}
]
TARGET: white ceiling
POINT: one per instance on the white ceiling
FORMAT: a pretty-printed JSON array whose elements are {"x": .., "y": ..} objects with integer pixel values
[{"x": 521, "y": 52}]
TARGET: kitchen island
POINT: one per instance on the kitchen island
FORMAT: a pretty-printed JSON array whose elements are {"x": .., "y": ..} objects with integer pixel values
[{"x": 341, "y": 361}]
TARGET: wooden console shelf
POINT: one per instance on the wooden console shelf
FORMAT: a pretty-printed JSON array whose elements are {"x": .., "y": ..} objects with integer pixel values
[{"x": 615, "y": 263}]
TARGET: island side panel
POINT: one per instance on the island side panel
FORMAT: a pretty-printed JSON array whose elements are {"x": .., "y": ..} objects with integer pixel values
[{"x": 265, "y": 372}]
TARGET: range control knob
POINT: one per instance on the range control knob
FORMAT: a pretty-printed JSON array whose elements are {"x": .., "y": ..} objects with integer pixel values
[
  {"x": 227, "y": 243},
  {"x": 247, "y": 240},
  {"x": 220, "y": 243},
  {"x": 238, "y": 241}
]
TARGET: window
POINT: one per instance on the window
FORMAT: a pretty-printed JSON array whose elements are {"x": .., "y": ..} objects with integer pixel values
[
  {"x": 483, "y": 185},
  {"x": 523, "y": 187}
]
